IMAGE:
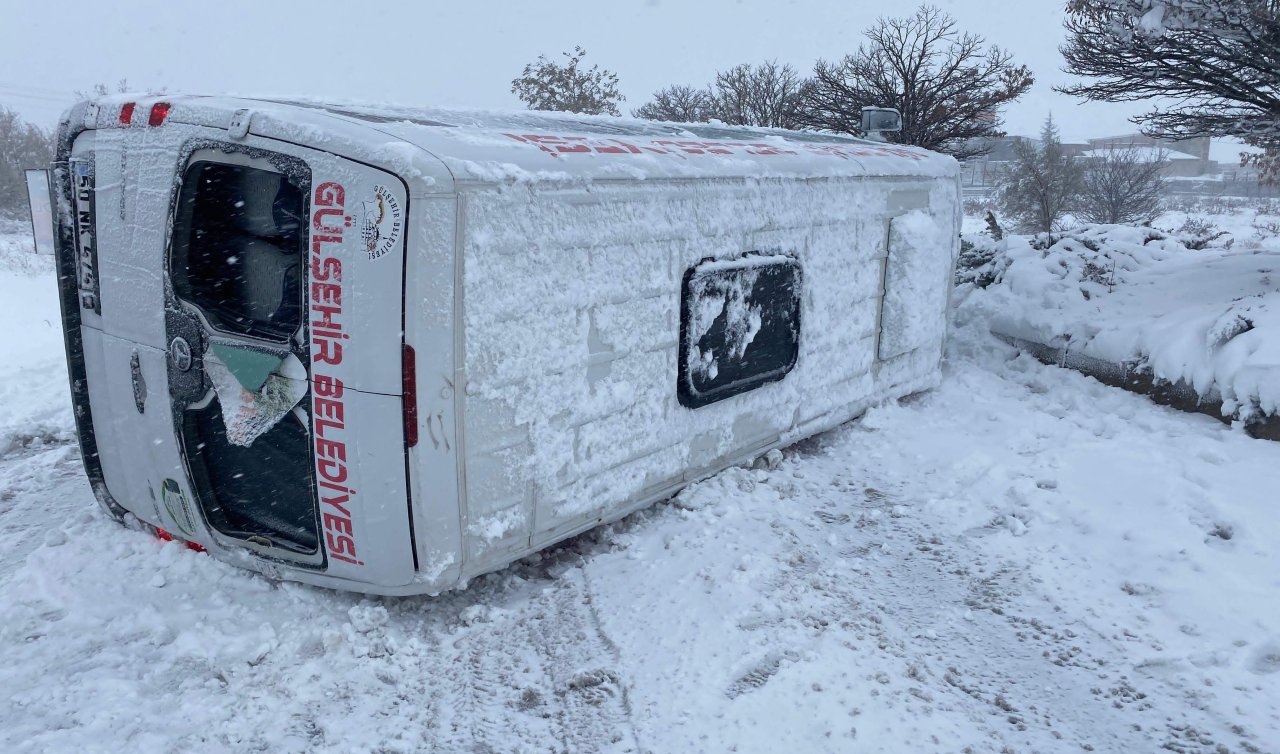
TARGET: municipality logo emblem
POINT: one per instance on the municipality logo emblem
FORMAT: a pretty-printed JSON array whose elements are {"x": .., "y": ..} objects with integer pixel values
[{"x": 381, "y": 222}]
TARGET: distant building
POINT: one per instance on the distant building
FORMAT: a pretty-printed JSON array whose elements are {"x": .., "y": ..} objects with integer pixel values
[
  {"x": 1176, "y": 164},
  {"x": 1187, "y": 159}
]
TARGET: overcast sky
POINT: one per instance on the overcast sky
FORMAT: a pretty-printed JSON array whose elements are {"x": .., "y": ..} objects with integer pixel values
[{"x": 465, "y": 52}]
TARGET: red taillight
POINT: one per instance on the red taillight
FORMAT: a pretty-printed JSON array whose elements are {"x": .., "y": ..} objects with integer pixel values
[
  {"x": 409, "y": 388},
  {"x": 162, "y": 534},
  {"x": 195, "y": 547},
  {"x": 159, "y": 111},
  {"x": 126, "y": 113}
]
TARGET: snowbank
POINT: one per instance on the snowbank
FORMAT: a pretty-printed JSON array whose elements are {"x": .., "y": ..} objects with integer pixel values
[
  {"x": 33, "y": 375},
  {"x": 1138, "y": 296}
]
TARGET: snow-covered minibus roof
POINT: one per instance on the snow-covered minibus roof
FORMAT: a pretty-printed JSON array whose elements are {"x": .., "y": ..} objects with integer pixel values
[{"x": 525, "y": 146}]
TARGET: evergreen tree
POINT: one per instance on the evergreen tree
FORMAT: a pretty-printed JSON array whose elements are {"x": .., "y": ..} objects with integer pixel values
[{"x": 1042, "y": 183}]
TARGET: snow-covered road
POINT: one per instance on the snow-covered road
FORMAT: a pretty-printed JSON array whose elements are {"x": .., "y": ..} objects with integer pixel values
[{"x": 1022, "y": 560}]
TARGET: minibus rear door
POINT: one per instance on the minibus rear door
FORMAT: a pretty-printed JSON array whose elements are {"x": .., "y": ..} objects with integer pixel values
[
  {"x": 272, "y": 297},
  {"x": 285, "y": 345}
]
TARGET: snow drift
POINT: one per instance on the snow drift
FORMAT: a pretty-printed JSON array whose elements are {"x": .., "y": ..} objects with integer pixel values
[{"x": 1139, "y": 297}]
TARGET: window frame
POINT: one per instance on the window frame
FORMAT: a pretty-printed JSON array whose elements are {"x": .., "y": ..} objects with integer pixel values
[
  {"x": 687, "y": 390},
  {"x": 295, "y": 170}
]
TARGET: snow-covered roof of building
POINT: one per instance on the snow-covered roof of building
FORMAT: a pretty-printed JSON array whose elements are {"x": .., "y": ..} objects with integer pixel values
[
  {"x": 488, "y": 146},
  {"x": 1144, "y": 153}
]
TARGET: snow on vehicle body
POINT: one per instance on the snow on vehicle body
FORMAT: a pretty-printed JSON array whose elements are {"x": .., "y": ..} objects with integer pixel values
[{"x": 389, "y": 350}]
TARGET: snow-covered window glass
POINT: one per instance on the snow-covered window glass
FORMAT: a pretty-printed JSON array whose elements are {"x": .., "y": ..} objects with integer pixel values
[
  {"x": 239, "y": 247},
  {"x": 739, "y": 326}
]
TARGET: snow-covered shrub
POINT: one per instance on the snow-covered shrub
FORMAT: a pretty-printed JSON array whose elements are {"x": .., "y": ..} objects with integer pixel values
[
  {"x": 17, "y": 251},
  {"x": 1092, "y": 259},
  {"x": 978, "y": 206},
  {"x": 1197, "y": 234},
  {"x": 976, "y": 263},
  {"x": 1265, "y": 229}
]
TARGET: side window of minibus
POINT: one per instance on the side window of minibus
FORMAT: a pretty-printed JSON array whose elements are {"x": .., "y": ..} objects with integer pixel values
[{"x": 739, "y": 326}]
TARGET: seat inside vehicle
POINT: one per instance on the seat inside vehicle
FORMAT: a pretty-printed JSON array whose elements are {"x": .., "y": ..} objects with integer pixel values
[{"x": 238, "y": 248}]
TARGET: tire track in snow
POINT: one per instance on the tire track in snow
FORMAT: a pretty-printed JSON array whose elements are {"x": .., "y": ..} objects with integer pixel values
[
  {"x": 586, "y": 670},
  {"x": 961, "y": 631},
  {"x": 1037, "y": 667},
  {"x": 544, "y": 675}
]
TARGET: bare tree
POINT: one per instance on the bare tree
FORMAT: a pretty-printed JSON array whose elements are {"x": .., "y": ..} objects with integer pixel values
[
  {"x": 1124, "y": 185},
  {"x": 1215, "y": 63},
  {"x": 948, "y": 86},
  {"x": 764, "y": 95},
  {"x": 547, "y": 85},
  {"x": 1041, "y": 184},
  {"x": 682, "y": 104},
  {"x": 22, "y": 146}
]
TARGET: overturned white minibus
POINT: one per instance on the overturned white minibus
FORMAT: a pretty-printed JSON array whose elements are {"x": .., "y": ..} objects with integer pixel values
[{"x": 388, "y": 350}]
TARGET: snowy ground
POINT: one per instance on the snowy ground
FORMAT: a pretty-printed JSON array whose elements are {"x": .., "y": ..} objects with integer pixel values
[{"x": 1022, "y": 560}]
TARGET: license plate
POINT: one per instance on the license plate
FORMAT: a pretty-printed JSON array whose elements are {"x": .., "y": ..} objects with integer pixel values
[{"x": 86, "y": 234}]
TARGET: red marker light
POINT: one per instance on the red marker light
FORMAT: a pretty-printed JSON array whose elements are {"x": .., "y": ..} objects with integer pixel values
[
  {"x": 126, "y": 113},
  {"x": 159, "y": 111},
  {"x": 165, "y": 536},
  {"x": 409, "y": 388}
]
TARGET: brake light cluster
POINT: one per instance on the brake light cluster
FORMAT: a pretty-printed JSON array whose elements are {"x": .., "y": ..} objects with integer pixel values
[{"x": 159, "y": 111}]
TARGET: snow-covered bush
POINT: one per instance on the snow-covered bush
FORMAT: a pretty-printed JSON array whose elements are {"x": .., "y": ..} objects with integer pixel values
[
  {"x": 977, "y": 263},
  {"x": 1265, "y": 229},
  {"x": 1092, "y": 259},
  {"x": 1197, "y": 233},
  {"x": 17, "y": 250}
]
